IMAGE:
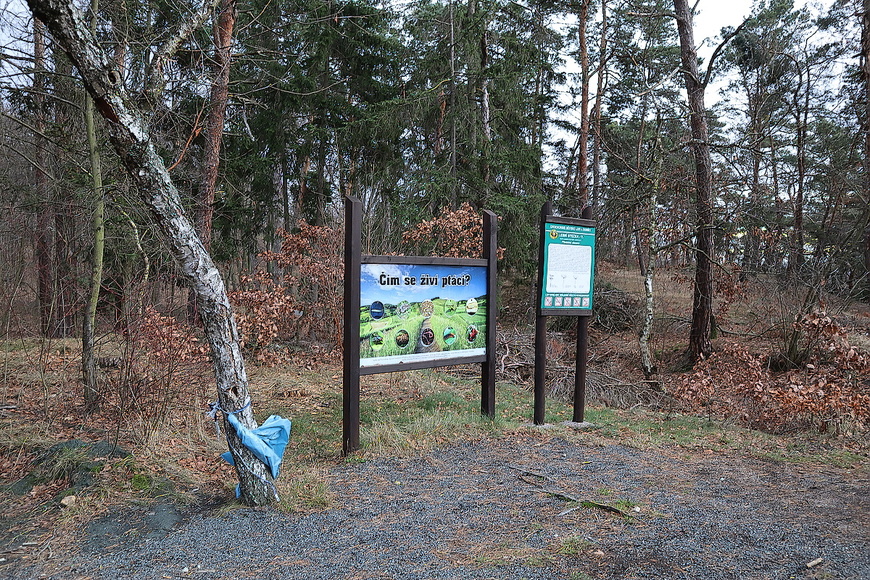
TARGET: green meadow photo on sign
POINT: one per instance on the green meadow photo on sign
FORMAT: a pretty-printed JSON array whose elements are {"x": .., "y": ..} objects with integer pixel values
[{"x": 412, "y": 312}]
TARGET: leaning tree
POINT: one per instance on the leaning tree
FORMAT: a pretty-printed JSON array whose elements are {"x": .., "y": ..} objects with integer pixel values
[{"x": 132, "y": 141}]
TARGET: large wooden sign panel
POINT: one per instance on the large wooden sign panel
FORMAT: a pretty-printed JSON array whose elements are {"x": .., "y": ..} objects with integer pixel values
[{"x": 413, "y": 312}]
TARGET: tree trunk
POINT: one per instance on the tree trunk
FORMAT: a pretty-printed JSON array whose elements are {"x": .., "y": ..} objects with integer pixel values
[
  {"x": 865, "y": 74},
  {"x": 45, "y": 218},
  {"x": 454, "y": 200},
  {"x": 582, "y": 175},
  {"x": 628, "y": 229},
  {"x": 302, "y": 201},
  {"x": 89, "y": 370},
  {"x": 796, "y": 259},
  {"x": 485, "y": 115},
  {"x": 131, "y": 140},
  {"x": 774, "y": 253},
  {"x": 752, "y": 243},
  {"x": 647, "y": 358},
  {"x": 214, "y": 131},
  {"x": 700, "y": 346},
  {"x": 65, "y": 283},
  {"x": 757, "y": 140},
  {"x": 285, "y": 191},
  {"x": 223, "y": 34},
  {"x": 596, "y": 112}
]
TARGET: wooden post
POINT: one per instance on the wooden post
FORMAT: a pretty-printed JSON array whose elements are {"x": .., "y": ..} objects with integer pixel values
[
  {"x": 582, "y": 354},
  {"x": 541, "y": 327},
  {"x": 580, "y": 368},
  {"x": 352, "y": 260},
  {"x": 490, "y": 253}
]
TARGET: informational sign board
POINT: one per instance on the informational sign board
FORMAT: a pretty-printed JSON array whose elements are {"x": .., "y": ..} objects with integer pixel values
[
  {"x": 404, "y": 313},
  {"x": 412, "y": 313},
  {"x": 568, "y": 268},
  {"x": 566, "y": 280}
]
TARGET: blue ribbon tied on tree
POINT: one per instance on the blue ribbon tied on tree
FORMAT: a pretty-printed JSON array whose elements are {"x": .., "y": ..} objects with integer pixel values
[{"x": 267, "y": 441}]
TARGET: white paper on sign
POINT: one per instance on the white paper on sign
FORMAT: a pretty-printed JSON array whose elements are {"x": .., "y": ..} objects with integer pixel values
[{"x": 569, "y": 269}]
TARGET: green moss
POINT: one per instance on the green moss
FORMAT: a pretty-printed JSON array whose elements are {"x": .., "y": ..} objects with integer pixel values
[{"x": 141, "y": 481}]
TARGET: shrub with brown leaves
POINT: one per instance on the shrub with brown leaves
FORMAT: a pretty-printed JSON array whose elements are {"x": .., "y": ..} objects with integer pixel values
[
  {"x": 164, "y": 365},
  {"x": 831, "y": 392},
  {"x": 454, "y": 234},
  {"x": 730, "y": 288},
  {"x": 302, "y": 304},
  {"x": 165, "y": 339}
]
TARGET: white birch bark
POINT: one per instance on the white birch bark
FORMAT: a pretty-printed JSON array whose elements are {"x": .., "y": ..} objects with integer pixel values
[{"x": 131, "y": 140}]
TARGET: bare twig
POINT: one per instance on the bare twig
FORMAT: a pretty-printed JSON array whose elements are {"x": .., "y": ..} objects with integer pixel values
[
  {"x": 527, "y": 474},
  {"x": 594, "y": 504},
  {"x": 193, "y": 22}
]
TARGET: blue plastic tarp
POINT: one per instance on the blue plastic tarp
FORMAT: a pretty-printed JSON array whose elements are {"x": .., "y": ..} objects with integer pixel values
[{"x": 267, "y": 441}]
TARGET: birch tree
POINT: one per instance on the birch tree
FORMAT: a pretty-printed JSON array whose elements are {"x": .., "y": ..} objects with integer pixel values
[{"x": 131, "y": 140}]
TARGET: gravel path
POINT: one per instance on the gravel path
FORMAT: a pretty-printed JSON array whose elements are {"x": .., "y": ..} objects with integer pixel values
[{"x": 497, "y": 509}]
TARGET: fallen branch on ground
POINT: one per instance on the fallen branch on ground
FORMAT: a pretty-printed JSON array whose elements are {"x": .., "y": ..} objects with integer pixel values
[{"x": 526, "y": 475}]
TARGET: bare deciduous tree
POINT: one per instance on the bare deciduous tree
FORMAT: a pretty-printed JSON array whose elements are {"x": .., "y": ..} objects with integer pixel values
[{"x": 131, "y": 140}]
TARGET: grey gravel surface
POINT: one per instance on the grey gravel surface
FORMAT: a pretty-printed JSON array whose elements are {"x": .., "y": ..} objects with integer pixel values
[{"x": 497, "y": 509}]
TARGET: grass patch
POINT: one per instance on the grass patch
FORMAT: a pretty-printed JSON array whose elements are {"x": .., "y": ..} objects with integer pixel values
[
  {"x": 141, "y": 481},
  {"x": 574, "y": 546},
  {"x": 626, "y": 505},
  {"x": 21, "y": 344},
  {"x": 62, "y": 464},
  {"x": 645, "y": 429},
  {"x": 539, "y": 561},
  {"x": 415, "y": 431},
  {"x": 316, "y": 433},
  {"x": 412, "y": 412},
  {"x": 443, "y": 400},
  {"x": 505, "y": 554},
  {"x": 304, "y": 491}
]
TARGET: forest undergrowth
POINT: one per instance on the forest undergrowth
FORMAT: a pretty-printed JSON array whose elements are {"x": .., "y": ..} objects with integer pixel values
[{"x": 157, "y": 384}]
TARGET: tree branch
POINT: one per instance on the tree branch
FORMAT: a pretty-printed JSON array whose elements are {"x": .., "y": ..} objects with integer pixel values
[
  {"x": 169, "y": 48},
  {"x": 42, "y": 135},
  {"x": 719, "y": 49}
]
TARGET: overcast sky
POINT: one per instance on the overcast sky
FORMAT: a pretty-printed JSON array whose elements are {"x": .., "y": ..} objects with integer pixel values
[{"x": 714, "y": 14}]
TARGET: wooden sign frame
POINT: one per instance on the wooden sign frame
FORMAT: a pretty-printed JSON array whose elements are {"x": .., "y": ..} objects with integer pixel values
[
  {"x": 583, "y": 314},
  {"x": 354, "y": 260}
]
